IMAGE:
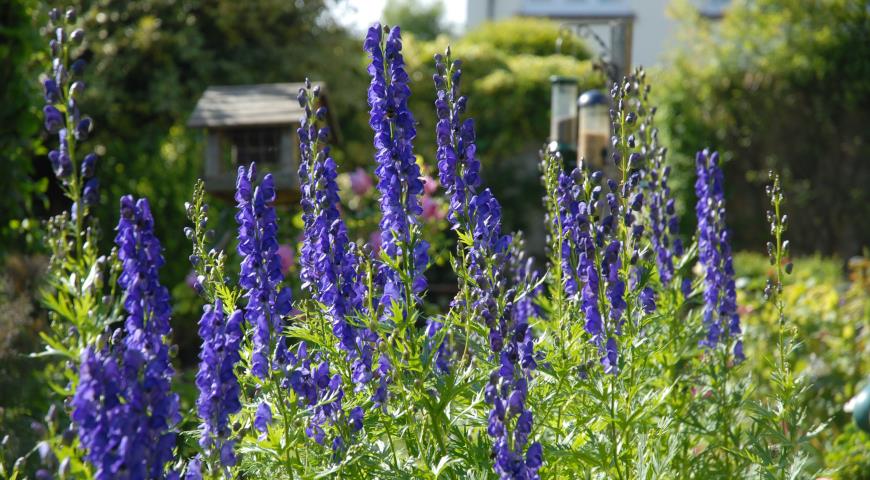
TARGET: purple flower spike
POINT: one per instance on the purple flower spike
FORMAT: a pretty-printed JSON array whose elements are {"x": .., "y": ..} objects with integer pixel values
[
  {"x": 399, "y": 179},
  {"x": 123, "y": 406},
  {"x": 330, "y": 270},
  {"x": 216, "y": 379},
  {"x": 497, "y": 269},
  {"x": 714, "y": 252},
  {"x": 260, "y": 275}
]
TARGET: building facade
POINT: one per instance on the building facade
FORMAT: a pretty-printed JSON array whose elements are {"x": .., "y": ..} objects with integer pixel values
[{"x": 650, "y": 30}]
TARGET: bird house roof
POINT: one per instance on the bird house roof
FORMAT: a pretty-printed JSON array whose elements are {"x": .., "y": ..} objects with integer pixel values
[{"x": 249, "y": 105}]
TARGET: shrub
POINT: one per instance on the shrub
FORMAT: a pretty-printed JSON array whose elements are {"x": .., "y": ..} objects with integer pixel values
[{"x": 749, "y": 84}]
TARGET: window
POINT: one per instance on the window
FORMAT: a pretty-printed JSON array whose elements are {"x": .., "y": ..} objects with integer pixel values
[{"x": 246, "y": 145}]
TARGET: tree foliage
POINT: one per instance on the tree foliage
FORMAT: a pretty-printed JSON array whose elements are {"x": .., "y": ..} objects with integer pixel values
[
  {"x": 153, "y": 60},
  {"x": 424, "y": 19},
  {"x": 19, "y": 121},
  {"x": 781, "y": 84}
]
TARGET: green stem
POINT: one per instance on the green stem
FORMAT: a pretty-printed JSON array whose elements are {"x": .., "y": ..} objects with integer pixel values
[{"x": 613, "y": 435}]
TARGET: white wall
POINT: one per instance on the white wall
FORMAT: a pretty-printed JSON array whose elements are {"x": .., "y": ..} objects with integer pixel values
[
  {"x": 478, "y": 10},
  {"x": 654, "y": 32}
]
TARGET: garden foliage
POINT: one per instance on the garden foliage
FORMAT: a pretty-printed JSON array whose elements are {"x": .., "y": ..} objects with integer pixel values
[
  {"x": 777, "y": 84},
  {"x": 622, "y": 357}
]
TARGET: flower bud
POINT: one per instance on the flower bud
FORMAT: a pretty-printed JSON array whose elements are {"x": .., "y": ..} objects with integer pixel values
[
  {"x": 83, "y": 129},
  {"x": 91, "y": 192},
  {"x": 64, "y": 469},
  {"x": 76, "y": 89},
  {"x": 53, "y": 119},
  {"x": 54, "y": 15},
  {"x": 60, "y": 164},
  {"x": 78, "y": 67},
  {"x": 77, "y": 36},
  {"x": 70, "y": 15},
  {"x": 323, "y": 134},
  {"x": 37, "y": 428},
  {"x": 51, "y": 91},
  {"x": 68, "y": 436},
  {"x": 51, "y": 415}
]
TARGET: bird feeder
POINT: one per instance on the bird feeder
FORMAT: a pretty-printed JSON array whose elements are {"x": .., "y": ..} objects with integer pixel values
[
  {"x": 563, "y": 115},
  {"x": 593, "y": 134},
  {"x": 252, "y": 123},
  {"x": 859, "y": 407}
]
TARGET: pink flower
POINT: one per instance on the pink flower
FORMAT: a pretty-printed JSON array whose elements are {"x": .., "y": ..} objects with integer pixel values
[
  {"x": 375, "y": 242},
  {"x": 360, "y": 182},
  {"x": 430, "y": 209},
  {"x": 285, "y": 252},
  {"x": 190, "y": 280},
  {"x": 430, "y": 185}
]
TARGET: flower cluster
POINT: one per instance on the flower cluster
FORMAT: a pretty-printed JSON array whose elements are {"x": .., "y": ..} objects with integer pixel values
[
  {"x": 328, "y": 259},
  {"x": 590, "y": 252},
  {"x": 472, "y": 213},
  {"x": 399, "y": 179},
  {"x": 663, "y": 221},
  {"x": 458, "y": 167},
  {"x": 123, "y": 404},
  {"x": 510, "y": 420},
  {"x": 495, "y": 270},
  {"x": 216, "y": 379},
  {"x": 260, "y": 275},
  {"x": 714, "y": 252},
  {"x": 320, "y": 391},
  {"x": 62, "y": 91}
]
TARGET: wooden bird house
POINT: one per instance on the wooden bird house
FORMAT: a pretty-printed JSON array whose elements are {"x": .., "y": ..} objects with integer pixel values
[{"x": 252, "y": 123}]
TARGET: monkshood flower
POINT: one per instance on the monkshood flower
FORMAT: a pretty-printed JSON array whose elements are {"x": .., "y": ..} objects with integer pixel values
[
  {"x": 262, "y": 419},
  {"x": 442, "y": 351},
  {"x": 714, "y": 251},
  {"x": 320, "y": 392},
  {"x": 664, "y": 224},
  {"x": 592, "y": 255},
  {"x": 471, "y": 212},
  {"x": 578, "y": 248},
  {"x": 497, "y": 272},
  {"x": 123, "y": 405},
  {"x": 216, "y": 379},
  {"x": 260, "y": 275},
  {"x": 510, "y": 422},
  {"x": 486, "y": 259},
  {"x": 458, "y": 166},
  {"x": 194, "y": 469},
  {"x": 61, "y": 111},
  {"x": 399, "y": 180},
  {"x": 328, "y": 259},
  {"x": 661, "y": 218}
]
